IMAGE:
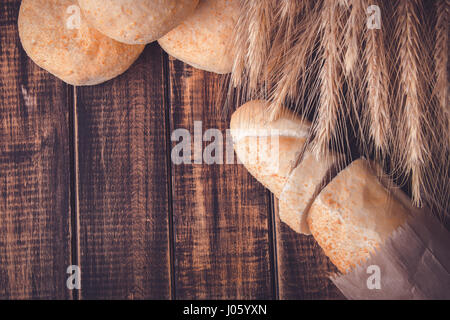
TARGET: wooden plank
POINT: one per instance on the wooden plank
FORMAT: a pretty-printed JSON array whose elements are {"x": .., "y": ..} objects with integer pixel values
[
  {"x": 35, "y": 244},
  {"x": 303, "y": 268},
  {"x": 221, "y": 214},
  {"x": 123, "y": 184}
]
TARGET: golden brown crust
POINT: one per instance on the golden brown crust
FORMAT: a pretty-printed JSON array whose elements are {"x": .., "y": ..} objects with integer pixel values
[
  {"x": 203, "y": 40},
  {"x": 273, "y": 162},
  {"x": 268, "y": 150},
  {"x": 78, "y": 56},
  {"x": 136, "y": 22},
  {"x": 254, "y": 115},
  {"x": 353, "y": 215}
]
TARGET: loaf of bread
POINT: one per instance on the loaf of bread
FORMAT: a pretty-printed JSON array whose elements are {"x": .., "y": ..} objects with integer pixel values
[
  {"x": 203, "y": 40},
  {"x": 349, "y": 215},
  {"x": 57, "y": 38},
  {"x": 354, "y": 214},
  {"x": 136, "y": 21},
  {"x": 270, "y": 151},
  {"x": 299, "y": 192}
]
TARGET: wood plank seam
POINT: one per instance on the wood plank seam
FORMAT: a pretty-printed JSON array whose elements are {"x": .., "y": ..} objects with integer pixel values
[
  {"x": 167, "y": 106},
  {"x": 122, "y": 184},
  {"x": 74, "y": 195},
  {"x": 273, "y": 245},
  {"x": 35, "y": 245}
]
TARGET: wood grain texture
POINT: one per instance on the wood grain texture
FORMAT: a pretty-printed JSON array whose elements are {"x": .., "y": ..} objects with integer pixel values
[
  {"x": 35, "y": 244},
  {"x": 303, "y": 268},
  {"x": 221, "y": 223},
  {"x": 123, "y": 185},
  {"x": 100, "y": 190}
]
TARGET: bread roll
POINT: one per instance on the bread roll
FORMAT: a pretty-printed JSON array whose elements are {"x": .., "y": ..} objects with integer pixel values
[
  {"x": 136, "y": 21},
  {"x": 204, "y": 39},
  {"x": 77, "y": 54},
  {"x": 353, "y": 215}
]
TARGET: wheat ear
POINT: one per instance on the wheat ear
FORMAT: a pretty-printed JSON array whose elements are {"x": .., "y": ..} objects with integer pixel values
[
  {"x": 441, "y": 61},
  {"x": 240, "y": 46},
  {"x": 353, "y": 33},
  {"x": 412, "y": 137},
  {"x": 291, "y": 61},
  {"x": 378, "y": 118},
  {"x": 259, "y": 33},
  {"x": 325, "y": 125},
  {"x": 287, "y": 16}
]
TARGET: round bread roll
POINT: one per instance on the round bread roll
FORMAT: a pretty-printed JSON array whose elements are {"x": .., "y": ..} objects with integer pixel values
[
  {"x": 204, "y": 39},
  {"x": 57, "y": 38},
  {"x": 136, "y": 22}
]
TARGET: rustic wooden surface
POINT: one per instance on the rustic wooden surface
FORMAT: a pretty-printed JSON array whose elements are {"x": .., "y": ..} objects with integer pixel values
[
  {"x": 35, "y": 211},
  {"x": 86, "y": 178}
]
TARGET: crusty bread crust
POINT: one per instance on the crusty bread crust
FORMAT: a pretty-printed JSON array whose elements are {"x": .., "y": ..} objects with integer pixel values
[
  {"x": 136, "y": 22},
  {"x": 268, "y": 160},
  {"x": 79, "y": 56},
  {"x": 203, "y": 40},
  {"x": 349, "y": 217},
  {"x": 353, "y": 215},
  {"x": 268, "y": 149},
  {"x": 275, "y": 164},
  {"x": 301, "y": 189},
  {"x": 254, "y": 115}
]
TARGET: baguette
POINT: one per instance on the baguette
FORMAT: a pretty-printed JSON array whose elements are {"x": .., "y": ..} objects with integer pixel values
[
  {"x": 350, "y": 216},
  {"x": 274, "y": 164}
]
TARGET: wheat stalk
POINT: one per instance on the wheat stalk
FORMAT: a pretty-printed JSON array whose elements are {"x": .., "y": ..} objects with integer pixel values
[
  {"x": 412, "y": 93},
  {"x": 286, "y": 79},
  {"x": 239, "y": 47},
  {"x": 378, "y": 119},
  {"x": 353, "y": 36},
  {"x": 309, "y": 53},
  {"x": 259, "y": 33},
  {"x": 441, "y": 60},
  {"x": 353, "y": 48},
  {"x": 287, "y": 18},
  {"x": 288, "y": 11},
  {"x": 437, "y": 183},
  {"x": 330, "y": 102}
]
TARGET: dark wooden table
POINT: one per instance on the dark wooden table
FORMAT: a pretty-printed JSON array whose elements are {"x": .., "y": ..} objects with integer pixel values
[{"x": 86, "y": 179}]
